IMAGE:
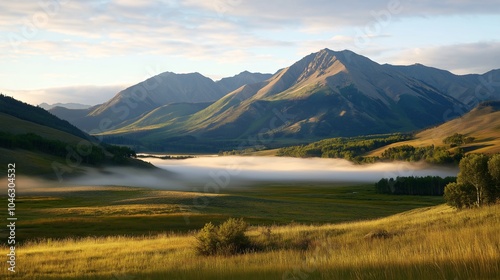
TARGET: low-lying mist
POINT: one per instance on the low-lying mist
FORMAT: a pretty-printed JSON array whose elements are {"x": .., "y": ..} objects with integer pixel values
[
  {"x": 285, "y": 169},
  {"x": 234, "y": 171}
]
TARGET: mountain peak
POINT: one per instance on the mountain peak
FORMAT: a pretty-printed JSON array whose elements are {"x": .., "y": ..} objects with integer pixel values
[{"x": 243, "y": 78}]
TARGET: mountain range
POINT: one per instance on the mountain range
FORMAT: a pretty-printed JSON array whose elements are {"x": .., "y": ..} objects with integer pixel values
[
  {"x": 77, "y": 106},
  {"x": 325, "y": 94}
]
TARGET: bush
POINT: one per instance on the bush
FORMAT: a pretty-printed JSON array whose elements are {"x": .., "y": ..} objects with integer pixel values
[
  {"x": 226, "y": 239},
  {"x": 460, "y": 195}
]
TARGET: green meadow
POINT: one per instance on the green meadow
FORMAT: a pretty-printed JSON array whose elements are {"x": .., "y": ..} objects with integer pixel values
[
  {"x": 317, "y": 231},
  {"x": 80, "y": 211}
]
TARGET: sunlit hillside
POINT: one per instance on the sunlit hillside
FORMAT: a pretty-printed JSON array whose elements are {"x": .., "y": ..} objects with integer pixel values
[{"x": 482, "y": 123}]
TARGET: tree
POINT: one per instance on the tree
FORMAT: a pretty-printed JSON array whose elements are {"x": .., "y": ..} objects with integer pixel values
[
  {"x": 494, "y": 170},
  {"x": 474, "y": 172},
  {"x": 459, "y": 195}
]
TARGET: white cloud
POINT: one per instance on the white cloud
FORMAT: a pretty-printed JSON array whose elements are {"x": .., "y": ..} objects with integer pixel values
[
  {"x": 186, "y": 27},
  {"x": 222, "y": 32},
  {"x": 87, "y": 95},
  {"x": 468, "y": 58}
]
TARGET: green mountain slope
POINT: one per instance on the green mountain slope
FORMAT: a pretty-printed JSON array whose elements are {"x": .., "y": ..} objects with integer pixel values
[
  {"x": 133, "y": 103},
  {"x": 325, "y": 94}
]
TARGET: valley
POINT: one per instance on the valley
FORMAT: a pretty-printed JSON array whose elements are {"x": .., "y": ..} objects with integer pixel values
[{"x": 296, "y": 155}]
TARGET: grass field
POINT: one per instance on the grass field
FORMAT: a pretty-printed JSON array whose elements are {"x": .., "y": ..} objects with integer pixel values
[
  {"x": 135, "y": 233},
  {"x": 53, "y": 212},
  {"x": 427, "y": 243}
]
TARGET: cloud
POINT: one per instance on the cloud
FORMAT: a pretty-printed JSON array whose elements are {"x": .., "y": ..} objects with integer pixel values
[
  {"x": 87, "y": 95},
  {"x": 459, "y": 58},
  {"x": 227, "y": 33},
  {"x": 193, "y": 28}
]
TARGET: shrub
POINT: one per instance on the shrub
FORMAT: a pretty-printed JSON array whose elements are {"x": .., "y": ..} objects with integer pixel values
[
  {"x": 460, "y": 195},
  {"x": 378, "y": 234},
  {"x": 207, "y": 240},
  {"x": 226, "y": 239}
]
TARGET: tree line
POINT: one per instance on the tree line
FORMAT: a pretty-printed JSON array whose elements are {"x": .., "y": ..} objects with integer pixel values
[
  {"x": 430, "y": 154},
  {"x": 347, "y": 148},
  {"x": 97, "y": 154},
  {"x": 429, "y": 185}
]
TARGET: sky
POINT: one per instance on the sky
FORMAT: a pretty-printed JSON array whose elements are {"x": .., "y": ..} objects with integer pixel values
[{"x": 87, "y": 51}]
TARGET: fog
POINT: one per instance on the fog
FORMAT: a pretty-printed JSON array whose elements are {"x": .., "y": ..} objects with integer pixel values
[{"x": 233, "y": 171}]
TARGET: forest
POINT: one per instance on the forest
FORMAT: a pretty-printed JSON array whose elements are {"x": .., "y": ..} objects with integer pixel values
[
  {"x": 347, "y": 148},
  {"x": 429, "y": 185}
]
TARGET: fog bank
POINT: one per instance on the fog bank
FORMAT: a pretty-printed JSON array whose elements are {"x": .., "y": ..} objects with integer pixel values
[{"x": 234, "y": 171}]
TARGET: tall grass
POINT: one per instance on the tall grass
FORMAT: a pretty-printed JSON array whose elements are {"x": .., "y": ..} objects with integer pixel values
[{"x": 426, "y": 243}]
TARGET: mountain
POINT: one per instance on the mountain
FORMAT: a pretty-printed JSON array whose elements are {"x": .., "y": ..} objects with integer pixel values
[
  {"x": 325, "y": 94},
  {"x": 166, "y": 88},
  {"x": 79, "y": 117},
  {"x": 470, "y": 89},
  {"x": 77, "y": 106},
  {"x": 232, "y": 83}
]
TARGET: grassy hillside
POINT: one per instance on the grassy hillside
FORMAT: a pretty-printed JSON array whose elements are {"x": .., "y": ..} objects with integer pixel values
[
  {"x": 38, "y": 141},
  {"x": 16, "y": 125},
  {"x": 482, "y": 123},
  {"x": 426, "y": 243},
  {"x": 37, "y": 115},
  {"x": 32, "y": 162}
]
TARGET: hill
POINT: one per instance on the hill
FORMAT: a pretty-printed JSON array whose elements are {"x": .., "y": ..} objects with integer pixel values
[
  {"x": 36, "y": 115},
  {"x": 482, "y": 123},
  {"x": 43, "y": 145}
]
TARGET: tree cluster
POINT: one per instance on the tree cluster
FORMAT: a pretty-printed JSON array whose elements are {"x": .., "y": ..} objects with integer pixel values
[
  {"x": 478, "y": 182},
  {"x": 429, "y": 185},
  {"x": 346, "y": 148},
  {"x": 430, "y": 154},
  {"x": 458, "y": 140}
]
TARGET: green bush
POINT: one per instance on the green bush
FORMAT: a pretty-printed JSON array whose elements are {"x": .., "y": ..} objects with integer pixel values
[
  {"x": 460, "y": 195},
  {"x": 478, "y": 182},
  {"x": 226, "y": 239}
]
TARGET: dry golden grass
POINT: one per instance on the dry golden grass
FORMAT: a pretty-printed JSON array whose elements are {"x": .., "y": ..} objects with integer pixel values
[
  {"x": 426, "y": 243},
  {"x": 483, "y": 124}
]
